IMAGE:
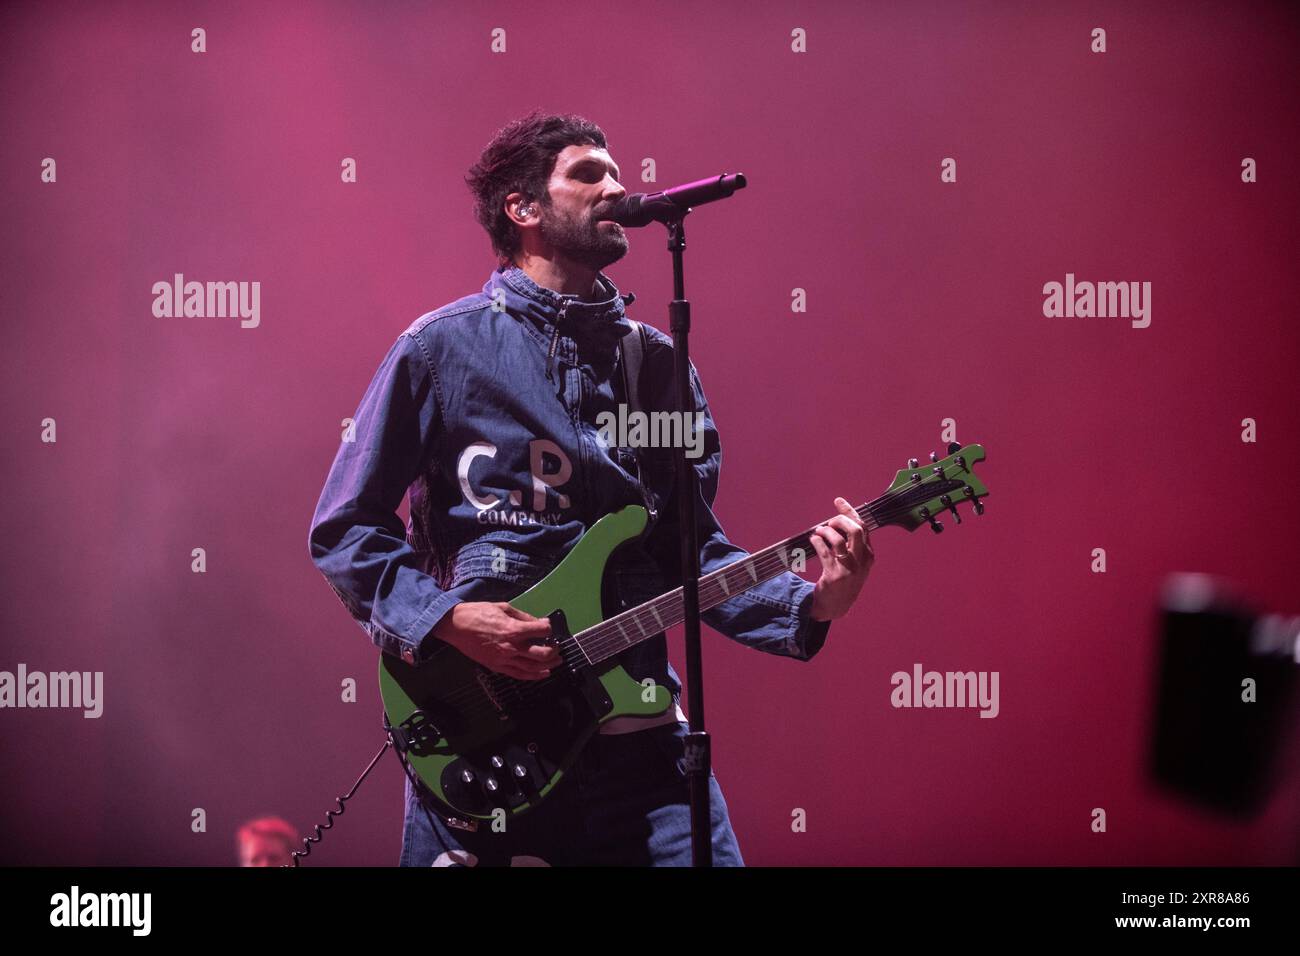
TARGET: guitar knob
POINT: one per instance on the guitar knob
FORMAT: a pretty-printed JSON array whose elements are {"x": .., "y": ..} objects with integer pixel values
[{"x": 495, "y": 794}]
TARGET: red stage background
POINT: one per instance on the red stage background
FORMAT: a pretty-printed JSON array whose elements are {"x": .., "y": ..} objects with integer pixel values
[{"x": 924, "y": 302}]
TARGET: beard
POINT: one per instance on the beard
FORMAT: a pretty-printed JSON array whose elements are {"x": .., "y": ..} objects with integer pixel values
[{"x": 586, "y": 241}]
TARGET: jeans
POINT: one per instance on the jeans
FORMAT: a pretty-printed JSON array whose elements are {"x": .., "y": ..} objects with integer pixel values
[{"x": 625, "y": 802}]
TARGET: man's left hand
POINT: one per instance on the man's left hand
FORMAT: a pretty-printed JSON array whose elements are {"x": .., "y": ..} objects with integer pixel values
[{"x": 844, "y": 549}]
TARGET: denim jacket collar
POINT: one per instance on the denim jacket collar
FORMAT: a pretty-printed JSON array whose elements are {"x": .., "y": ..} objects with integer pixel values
[{"x": 600, "y": 323}]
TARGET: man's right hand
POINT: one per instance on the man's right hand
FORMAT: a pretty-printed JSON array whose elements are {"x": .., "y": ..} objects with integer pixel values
[{"x": 500, "y": 637}]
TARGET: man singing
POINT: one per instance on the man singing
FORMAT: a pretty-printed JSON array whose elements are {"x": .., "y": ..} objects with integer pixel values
[{"x": 485, "y": 410}]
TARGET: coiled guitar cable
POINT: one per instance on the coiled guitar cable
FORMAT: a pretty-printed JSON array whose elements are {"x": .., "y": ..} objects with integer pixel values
[
  {"x": 331, "y": 814},
  {"x": 398, "y": 740}
]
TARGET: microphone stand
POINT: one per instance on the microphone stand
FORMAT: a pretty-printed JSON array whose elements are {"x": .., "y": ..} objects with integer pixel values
[
  {"x": 670, "y": 207},
  {"x": 698, "y": 758}
]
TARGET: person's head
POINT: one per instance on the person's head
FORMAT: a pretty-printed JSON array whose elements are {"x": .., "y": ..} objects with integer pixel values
[
  {"x": 266, "y": 841},
  {"x": 542, "y": 186}
]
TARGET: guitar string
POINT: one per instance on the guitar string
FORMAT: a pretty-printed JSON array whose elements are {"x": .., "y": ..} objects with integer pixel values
[
  {"x": 472, "y": 701},
  {"x": 506, "y": 685},
  {"x": 511, "y": 690},
  {"x": 604, "y": 646},
  {"x": 606, "y": 636}
]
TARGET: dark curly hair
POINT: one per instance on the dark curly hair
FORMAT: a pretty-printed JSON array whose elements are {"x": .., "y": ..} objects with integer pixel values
[{"x": 520, "y": 158}]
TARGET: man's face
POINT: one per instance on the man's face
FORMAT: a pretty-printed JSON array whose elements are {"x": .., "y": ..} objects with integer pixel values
[
  {"x": 583, "y": 189},
  {"x": 259, "y": 850}
]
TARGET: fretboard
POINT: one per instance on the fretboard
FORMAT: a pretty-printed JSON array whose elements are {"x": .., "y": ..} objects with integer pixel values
[{"x": 629, "y": 628}]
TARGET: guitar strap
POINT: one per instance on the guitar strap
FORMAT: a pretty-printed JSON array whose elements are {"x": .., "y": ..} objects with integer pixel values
[
  {"x": 632, "y": 348},
  {"x": 632, "y": 351}
]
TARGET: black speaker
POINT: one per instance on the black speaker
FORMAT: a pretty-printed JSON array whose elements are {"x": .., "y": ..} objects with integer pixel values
[{"x": 1224, "y": 686}]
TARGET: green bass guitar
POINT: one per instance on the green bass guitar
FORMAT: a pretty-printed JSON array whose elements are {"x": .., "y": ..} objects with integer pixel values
[{"x": 482, "y": 742}]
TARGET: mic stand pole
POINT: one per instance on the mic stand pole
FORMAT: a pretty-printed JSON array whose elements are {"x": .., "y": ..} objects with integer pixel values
[{"x": 698, "y": 760}]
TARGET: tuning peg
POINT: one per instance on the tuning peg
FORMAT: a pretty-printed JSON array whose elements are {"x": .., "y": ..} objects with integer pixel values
[
  {"x": 934, "y": 456},
  {"x": 953, "y": 447},
  {"x": 947, "y": 503},
  {"x": 934, "y": 525},
  {"x": 912, "y": 463}
]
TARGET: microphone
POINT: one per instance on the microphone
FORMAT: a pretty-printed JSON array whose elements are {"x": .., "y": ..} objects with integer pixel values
[{"x": 641, "y": 209}]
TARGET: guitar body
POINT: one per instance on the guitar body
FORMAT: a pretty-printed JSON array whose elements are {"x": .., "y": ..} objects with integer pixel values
[{"x": 479, "y": 740}]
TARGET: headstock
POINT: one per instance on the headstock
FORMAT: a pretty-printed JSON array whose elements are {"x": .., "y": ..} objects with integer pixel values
[{"x": 919, "y": 493}]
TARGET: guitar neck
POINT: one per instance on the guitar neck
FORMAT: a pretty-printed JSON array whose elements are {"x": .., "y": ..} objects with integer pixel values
[
  {"x": 629, "y": 628},
  {"x": 916, "y": 496}
]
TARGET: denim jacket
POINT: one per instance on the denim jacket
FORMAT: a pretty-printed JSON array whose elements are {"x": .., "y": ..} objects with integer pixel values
[{"x": 485, "y": 411}]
